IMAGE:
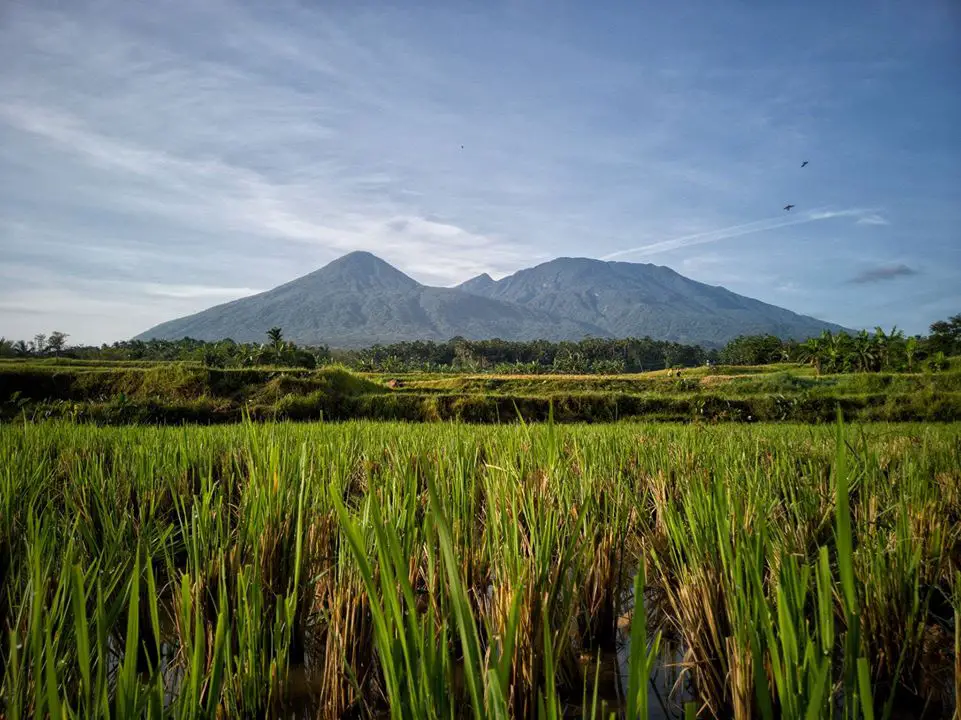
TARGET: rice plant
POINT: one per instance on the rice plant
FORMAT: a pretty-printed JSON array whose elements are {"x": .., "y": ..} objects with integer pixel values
[{"x": 451, "y": 571}]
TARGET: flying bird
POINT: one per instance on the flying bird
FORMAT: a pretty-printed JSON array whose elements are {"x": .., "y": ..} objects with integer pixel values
[
  {"x": 804, "y": 163},
  {"x": 788, "y": 207}
]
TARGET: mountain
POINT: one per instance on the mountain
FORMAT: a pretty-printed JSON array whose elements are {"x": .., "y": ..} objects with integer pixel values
[
  {"x": 632, "y": 299},
  {"x": 360, "y": 300},
  {"x": 477, "y": 285}
]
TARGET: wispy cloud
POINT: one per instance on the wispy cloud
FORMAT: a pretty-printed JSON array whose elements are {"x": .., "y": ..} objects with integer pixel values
[
  {"x": 733, "y": 231},
  {"x": 196, "y": 291},
  {"x": 264, "y": 142},
  {"x": 790, "y": 287},
  {"x": 883, "y": 273},
  {"x": 227, "y": 147},
  {"x": 213, "y": 195},
  {"x": 828, "y": 214}
]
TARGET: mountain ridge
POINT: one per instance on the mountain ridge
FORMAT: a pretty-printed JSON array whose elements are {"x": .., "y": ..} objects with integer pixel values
[
  {"x": 360, "y": 300},
  {"x": 622, "y": 297}
]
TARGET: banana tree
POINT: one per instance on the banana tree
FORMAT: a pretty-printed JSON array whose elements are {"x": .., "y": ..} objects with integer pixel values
[
  {"x": 881, "y": 346},
  {"x": 865, "y": 357},
  {"x": 836, "y": 352},
  {"x": 887, "y": 346},
  {"x": 911, "y": 352},
  {"x": 812, "y": 352}
]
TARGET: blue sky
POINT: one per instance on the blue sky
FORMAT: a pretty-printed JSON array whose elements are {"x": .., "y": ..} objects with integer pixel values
[{"x": 158, "y": 158}]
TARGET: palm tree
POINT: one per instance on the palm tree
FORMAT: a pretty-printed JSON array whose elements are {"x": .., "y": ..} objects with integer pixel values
[
  {"x": 276, "y": 337},
  {"x": 21, "y": 349}
]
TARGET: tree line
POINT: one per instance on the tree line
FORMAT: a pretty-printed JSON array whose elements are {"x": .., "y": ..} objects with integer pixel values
[
  {"x": 889, "y": 351},
  {"x": 876, "y": 351},
  {"x": 275, "y": 350},
  {"x": 591, "y": 355}
]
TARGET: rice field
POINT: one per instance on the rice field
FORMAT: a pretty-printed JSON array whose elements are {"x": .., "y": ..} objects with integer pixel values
[
  {"x": 169, "y": 393},
  {"x": 375, "y": 570}
]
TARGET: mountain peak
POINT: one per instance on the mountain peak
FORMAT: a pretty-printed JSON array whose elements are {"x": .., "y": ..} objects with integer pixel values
[
  {"x": 359, "y": 271},
  {"x": 358, "y": 256},
  {"x": 477, "y": 284}
]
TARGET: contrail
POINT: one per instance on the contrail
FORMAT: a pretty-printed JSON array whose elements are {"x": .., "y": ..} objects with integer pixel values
[{"x": 736, "y": 231}]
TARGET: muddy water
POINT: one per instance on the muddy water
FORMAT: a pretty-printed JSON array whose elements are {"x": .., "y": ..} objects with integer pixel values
[
  {"x": 667, "y": 686},
  {"x": 171, "y": 670},
  {"x": 668, "y": 689}
]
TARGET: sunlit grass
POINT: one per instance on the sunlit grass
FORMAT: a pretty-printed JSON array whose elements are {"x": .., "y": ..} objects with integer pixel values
[
  {"x": 446, "y": 571},
  {"x": 176, "y": 393}
]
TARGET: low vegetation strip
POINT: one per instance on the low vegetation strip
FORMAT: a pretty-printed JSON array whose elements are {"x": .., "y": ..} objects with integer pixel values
[
  {"x": 176, "y": 393},
  {"x": 864, "y": 352},
  {"x": 423, "y": 571}
]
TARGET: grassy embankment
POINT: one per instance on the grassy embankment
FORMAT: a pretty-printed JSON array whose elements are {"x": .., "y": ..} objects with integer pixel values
[
  {"x": 179, "y": 392},
  {"x": 365, "y": 569}
]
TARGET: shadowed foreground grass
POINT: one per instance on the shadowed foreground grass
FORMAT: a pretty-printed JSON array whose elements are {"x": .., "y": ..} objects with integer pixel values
[{"x": 441, "y": 571}]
